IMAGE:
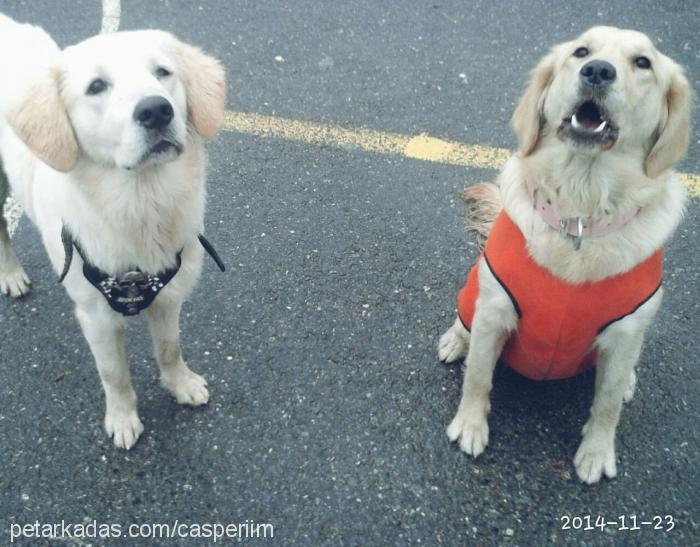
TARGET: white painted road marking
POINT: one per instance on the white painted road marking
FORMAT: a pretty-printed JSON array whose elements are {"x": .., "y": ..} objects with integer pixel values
[
  {"x": 13, "y": 212},
  {"x": 111, "y": 16}
]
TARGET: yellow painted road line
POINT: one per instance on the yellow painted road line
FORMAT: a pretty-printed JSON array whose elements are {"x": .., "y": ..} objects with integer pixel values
[{"x": 422, "y": 147}]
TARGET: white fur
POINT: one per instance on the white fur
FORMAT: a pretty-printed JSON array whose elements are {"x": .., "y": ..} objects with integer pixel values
[
  {"x": 125, "y": 204},
  {"x": 494, "y": 319},
  {"x": 580, "y": 181}
]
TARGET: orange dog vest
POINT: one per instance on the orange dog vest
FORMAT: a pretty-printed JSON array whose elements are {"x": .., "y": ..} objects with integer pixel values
[{"x": 558, "y": 321}]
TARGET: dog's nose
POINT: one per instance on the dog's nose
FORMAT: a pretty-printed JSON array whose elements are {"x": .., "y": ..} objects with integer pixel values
[
  {"x": 598, "y": 73},
  {"x": 153, "y": 112}
]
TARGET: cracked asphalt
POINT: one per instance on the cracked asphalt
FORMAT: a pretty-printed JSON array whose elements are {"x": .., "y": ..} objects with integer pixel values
[{"x": 328, "y": 405}]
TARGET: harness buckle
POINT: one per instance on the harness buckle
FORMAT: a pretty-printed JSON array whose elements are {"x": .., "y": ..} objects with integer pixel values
[{"x": 133, "y": 282}]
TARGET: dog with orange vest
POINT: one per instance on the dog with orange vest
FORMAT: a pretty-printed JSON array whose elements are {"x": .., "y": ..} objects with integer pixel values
[{"x": 570, "y": 276}]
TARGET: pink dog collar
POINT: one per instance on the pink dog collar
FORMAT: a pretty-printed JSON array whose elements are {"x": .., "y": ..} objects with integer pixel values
[{"x": 577, "y": 227}]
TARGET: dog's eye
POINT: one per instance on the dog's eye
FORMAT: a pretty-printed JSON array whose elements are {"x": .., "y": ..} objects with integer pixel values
[
  {"x": 581, "y": 52},
  {"x": 97, "y": 86},
  {"x": 162, "y": 72},
  {"x": 642, "y": 62}
]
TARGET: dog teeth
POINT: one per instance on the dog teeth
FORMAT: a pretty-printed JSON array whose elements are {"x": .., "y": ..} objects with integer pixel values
[
  {"x": 577, "y": 125},
  {"x": 574, "y": 122}
]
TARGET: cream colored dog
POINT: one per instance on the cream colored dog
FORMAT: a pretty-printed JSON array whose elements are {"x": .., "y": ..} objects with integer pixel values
[
  {"x": 101, "y": 144},
  {"x": 600, "y": 125}
]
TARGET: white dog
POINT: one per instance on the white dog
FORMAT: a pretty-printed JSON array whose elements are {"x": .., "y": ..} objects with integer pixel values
[
  {"x": 101, "y": 144},
  {"x": 571, "y": 272}
]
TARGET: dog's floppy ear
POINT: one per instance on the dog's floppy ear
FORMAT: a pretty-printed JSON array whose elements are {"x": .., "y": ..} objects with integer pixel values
[
  {"x": 205, "y": 83},
  {"x": 674, "y": 129},
  {"x": 41, "y": 121},
  {"x": 528, "y": 117}
]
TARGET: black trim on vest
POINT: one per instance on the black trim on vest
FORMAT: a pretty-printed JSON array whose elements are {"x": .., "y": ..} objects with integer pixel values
[
  {"x": 601, "y": 329},
  {"x": 463, "y": 323},
  {"x": 510, "y": 294}
]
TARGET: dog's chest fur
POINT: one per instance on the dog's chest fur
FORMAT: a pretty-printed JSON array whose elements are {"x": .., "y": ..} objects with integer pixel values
[
  {"x": 125, "y": 219},
  {"x": 598, "y": 257}
]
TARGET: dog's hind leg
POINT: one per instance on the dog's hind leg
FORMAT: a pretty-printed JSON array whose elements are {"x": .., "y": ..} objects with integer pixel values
[
  {"x": 13, "y": 279},
  {"x": 454, "y": 343}
]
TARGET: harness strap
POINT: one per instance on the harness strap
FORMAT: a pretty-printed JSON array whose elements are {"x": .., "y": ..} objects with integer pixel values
[
  {"x": 209, "y": 248},
  {"x": 133, "y": 291}
]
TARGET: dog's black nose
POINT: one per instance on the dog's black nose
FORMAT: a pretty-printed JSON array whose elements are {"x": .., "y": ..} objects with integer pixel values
[
  {"x": 153, "y": 112},
  {"x": 598, "y": 73}
]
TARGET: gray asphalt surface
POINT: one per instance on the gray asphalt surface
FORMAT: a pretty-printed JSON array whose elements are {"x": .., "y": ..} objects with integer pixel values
[{"x": 328, "y": 406}]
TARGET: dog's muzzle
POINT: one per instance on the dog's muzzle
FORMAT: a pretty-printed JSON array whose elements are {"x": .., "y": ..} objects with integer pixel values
[{"x": 589, "y": 124}]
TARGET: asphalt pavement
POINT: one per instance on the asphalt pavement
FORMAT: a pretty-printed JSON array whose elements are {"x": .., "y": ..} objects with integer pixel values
[{"x": 328, "y": 405}]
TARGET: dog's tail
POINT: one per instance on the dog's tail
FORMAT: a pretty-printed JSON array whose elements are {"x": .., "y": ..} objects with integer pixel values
[{"x": 483, "y": 201}]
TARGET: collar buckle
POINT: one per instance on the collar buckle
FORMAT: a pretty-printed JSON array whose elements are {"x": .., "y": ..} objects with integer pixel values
[{"x": 564, "y": 225}]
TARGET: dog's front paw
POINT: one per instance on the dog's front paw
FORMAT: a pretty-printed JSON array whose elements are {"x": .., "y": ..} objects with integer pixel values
[
  {"x": 124, "y": 427},
  {"x": 471, "y": 430},
  {"x": 595, "y": 457},
  {"x": 14, "y": 282},
  {"x": 188, "y": 388},
  {"x": 452, "y": 346}
]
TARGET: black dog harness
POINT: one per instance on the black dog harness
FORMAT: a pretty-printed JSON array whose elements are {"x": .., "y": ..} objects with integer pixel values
[{"x": 133, "y": 291}]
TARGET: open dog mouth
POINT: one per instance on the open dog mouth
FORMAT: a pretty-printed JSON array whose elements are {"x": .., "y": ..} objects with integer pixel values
[
  {"x": 589, "y": 124},
  {"x": 164, "y": 146},
  {"x": 163, "y": 151}
]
